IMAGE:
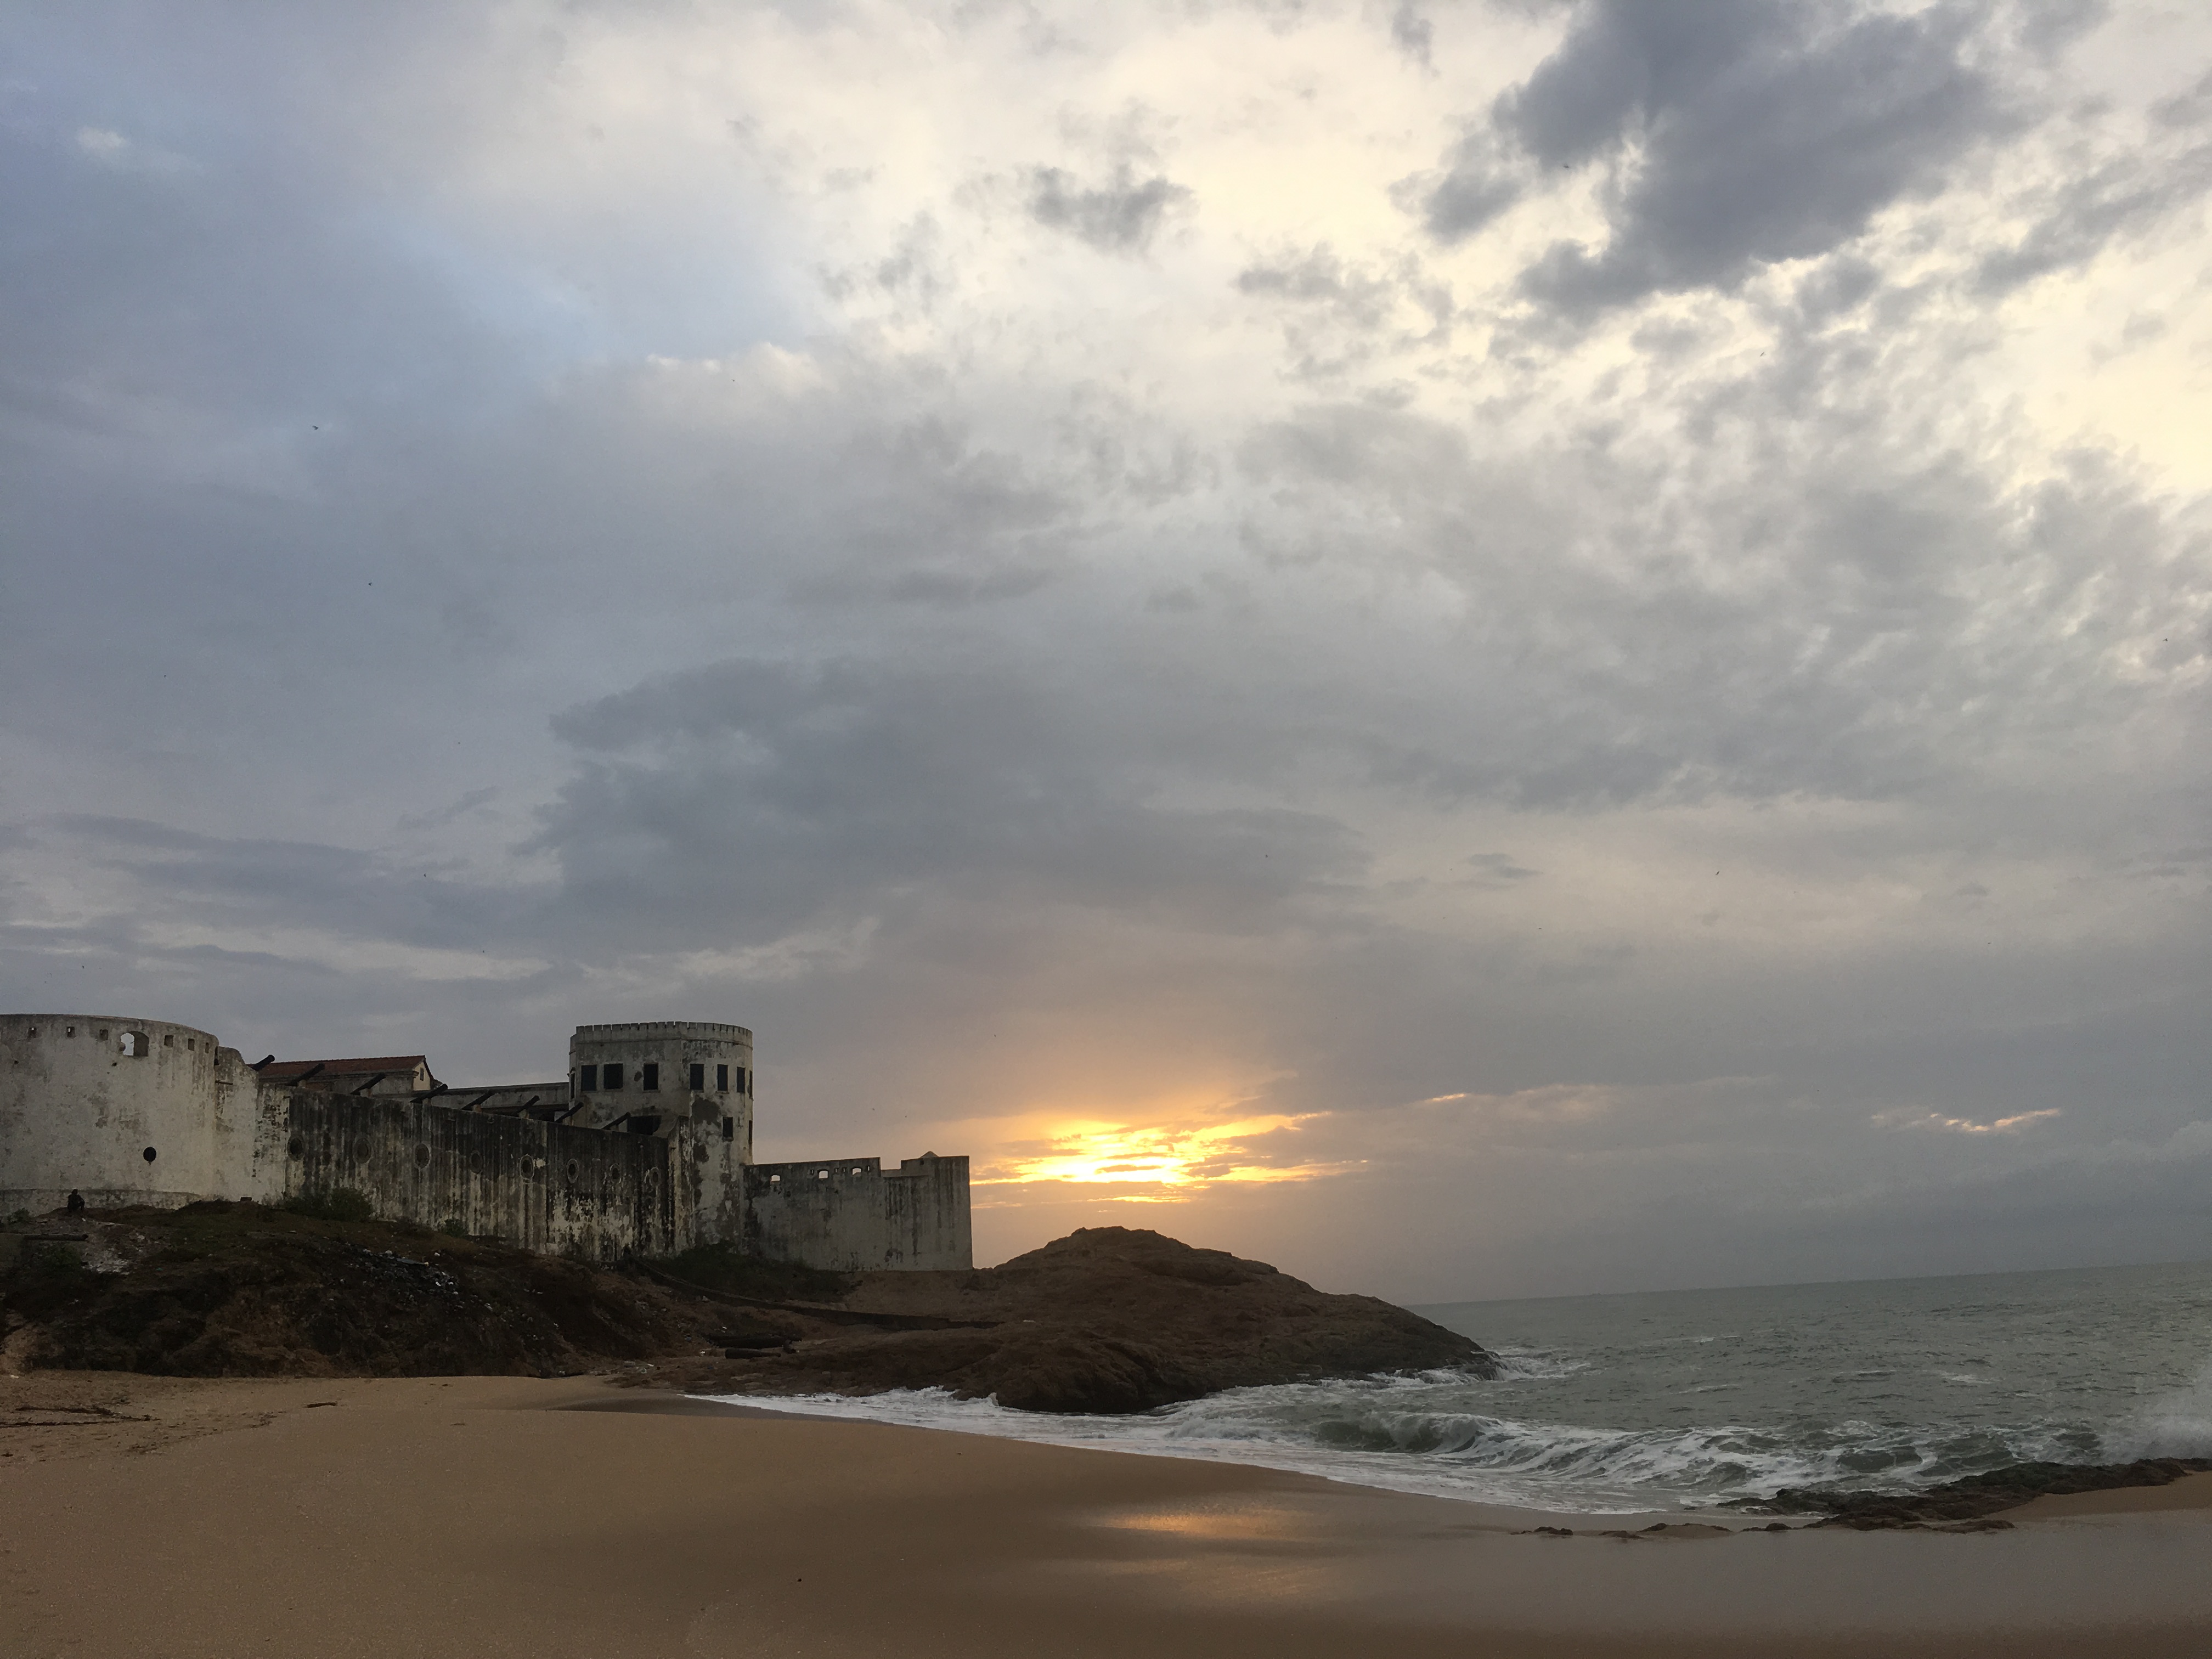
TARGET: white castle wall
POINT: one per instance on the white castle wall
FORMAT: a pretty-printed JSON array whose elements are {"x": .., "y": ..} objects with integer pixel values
[
  {"x": 85, "y": 1099},
  {"x": 717, "y": 1115},
  {"x": 123, "y": 1111},
  {"x": 853, "y": 1215}
]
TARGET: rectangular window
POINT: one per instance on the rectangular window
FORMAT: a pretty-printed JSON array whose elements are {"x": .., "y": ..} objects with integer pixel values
[
  {"x": 744, "y": 1081},
  {"x": 698, "y": 1078},
  {"x": 588, "y": 1079},
  {"x": 611, "y": 1076},
  {"x": 648, "y": 1075},
  {"x": 729, "y": 1128},
  {"x": 722, "y": 1080}
]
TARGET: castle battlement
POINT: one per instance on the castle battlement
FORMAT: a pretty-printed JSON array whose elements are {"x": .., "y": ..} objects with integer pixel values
[{"x": 644, "y": 1148}]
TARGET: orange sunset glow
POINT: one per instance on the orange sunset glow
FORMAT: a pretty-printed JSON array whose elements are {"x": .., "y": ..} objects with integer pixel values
[{"x": 1161, "y": 1157}]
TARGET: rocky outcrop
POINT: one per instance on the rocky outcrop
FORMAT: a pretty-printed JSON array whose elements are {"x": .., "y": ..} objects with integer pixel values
[
  {"x": 1969, "y": 1504},
  {"x": 1107, "y": 1319}
]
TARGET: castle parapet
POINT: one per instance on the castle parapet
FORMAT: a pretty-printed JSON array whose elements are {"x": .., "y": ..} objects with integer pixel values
[{"x": 852, "y": 1215}]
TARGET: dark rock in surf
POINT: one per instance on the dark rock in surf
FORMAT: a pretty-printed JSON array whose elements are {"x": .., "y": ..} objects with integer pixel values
[
  {"x": 1108, "y": 1320},
  {"x": 1969, "y": 1502}
]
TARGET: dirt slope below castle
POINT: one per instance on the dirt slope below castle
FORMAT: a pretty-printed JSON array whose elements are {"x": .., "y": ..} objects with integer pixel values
[
  {"x": 1105, "y": 1319},
  {"x": 242, "y": 1290}
]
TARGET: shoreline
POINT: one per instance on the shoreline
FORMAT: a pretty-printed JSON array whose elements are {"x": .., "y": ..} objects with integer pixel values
[
  {"x": 1371, "y": 1475},
  {"x": 497, "y": 1516}
]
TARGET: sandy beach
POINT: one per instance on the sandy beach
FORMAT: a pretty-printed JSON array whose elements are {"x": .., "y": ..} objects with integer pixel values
[{"x": 495, "y": 1515}]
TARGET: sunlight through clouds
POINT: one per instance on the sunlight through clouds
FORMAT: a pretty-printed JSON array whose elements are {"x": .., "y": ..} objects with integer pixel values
[{"x": 1173, "y": 1156}]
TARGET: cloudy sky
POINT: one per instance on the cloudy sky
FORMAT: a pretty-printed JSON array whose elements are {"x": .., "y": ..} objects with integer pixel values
[{"x": 1480, "y": 649}]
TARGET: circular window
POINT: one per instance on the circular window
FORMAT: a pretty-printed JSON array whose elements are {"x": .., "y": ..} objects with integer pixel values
[
  {"x": 421, "y": 1155},
  {"x": 360, "y": 1146},
  {"x": 296, "y": 1147},
  {"x": 702, "y": 1154},
  {"x": 147, "y": 1154},
  {"x": 573, "y": 1171}
]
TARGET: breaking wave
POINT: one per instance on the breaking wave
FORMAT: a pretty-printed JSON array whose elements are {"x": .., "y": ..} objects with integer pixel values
[
  {"x": 1415, "y": 1434},
  {"x": 1686, "y": 1400}
]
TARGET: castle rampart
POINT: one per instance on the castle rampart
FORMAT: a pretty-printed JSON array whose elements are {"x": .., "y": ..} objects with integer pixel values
[
  {"x": 121, "y": 1110},
  {"x": 642, "y": 1149},
  {"x": 851, "y": 1213}
]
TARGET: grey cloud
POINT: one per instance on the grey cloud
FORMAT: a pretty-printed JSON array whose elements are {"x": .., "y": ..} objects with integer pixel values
[
  {"x": 1481, "y": 180},
  {"x": 1764, "y": 137},
  {"x": 1839, "y": 654},
  {"x": 2084, "y": 216},
  {"x": 2192, "y": 108},
  {"x": 753, "y": 798},
  {"x": 1120, "y": 216},
  {"x": 1738, "y": 133},
  {"x": 1412, "y": 33},
  {"x": 1496, "y": 870},
  {"x": 348, "y": 892},
  {"x": 1339, "y": 314}
]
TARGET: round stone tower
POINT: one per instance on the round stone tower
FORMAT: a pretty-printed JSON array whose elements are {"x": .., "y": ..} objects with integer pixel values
[
  {"x": 649, "y": 1076},
  {"x": 120, "y": 1110}
]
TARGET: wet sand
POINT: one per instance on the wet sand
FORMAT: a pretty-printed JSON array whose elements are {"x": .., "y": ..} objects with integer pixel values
[{"x": 495, "y": 1517}]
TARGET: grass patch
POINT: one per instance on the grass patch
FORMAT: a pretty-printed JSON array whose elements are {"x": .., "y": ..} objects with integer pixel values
[
  {"x": 726, "y": 1267},
  {"x": 47, "y": 1277},
  {"x": 332, "y": 1204}
]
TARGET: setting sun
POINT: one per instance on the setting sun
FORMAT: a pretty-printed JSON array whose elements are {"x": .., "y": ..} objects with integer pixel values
[{"x": 1167, "y": 1155}]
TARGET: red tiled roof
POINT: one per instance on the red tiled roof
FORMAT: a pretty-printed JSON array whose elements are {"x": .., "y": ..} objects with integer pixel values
[{"x": 281, "y": 1070}]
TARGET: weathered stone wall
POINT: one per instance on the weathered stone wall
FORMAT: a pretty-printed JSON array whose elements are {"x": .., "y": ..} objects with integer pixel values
[
  {"x": 549, "y": 1098},
  {"x": 654, "y": 1062},
  {"x": 84, "y": 1099},
  {"x": 852, "y": 1215},
  {"x": 540, "y": 1185},
  {"x": 124, "y": 1111}
]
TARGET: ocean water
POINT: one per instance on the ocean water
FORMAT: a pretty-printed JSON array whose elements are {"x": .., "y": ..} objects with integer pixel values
[{"x": 1666, "y": 1399}]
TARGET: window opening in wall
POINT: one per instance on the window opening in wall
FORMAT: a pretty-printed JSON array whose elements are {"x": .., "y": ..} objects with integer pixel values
[
  {"x": 69, "y": 1031},
  {"x": 775, "y": 1181},
  {"x": 169, "y": 1040},
  {"x": 698, "y": 1078},
  {"x": 588, "y": 1077},
  {"x": 859, "y": 1172},
  {"x": 822, "y": 1174},
  {"x": 147, "y": 1154},
  {"x": 191, "y": 1043},
  {"x": 722, "y": 1080},
  {"x": 729, "y": 1128},
  {"x": 648, "y": 1075},
  {"x": 34, "y": 1031},
  {"x": 132, "y": 1044},
  {"x": 611, "y": 1076},
  {"x": 102, "y": 1038}
]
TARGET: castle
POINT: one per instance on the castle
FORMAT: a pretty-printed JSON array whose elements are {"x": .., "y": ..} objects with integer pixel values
[{"x": 645, "y": 1147}]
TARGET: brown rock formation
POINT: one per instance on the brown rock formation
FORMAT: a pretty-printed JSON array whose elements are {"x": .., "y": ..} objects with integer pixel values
[{"x": 1106, "y": 1320}]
